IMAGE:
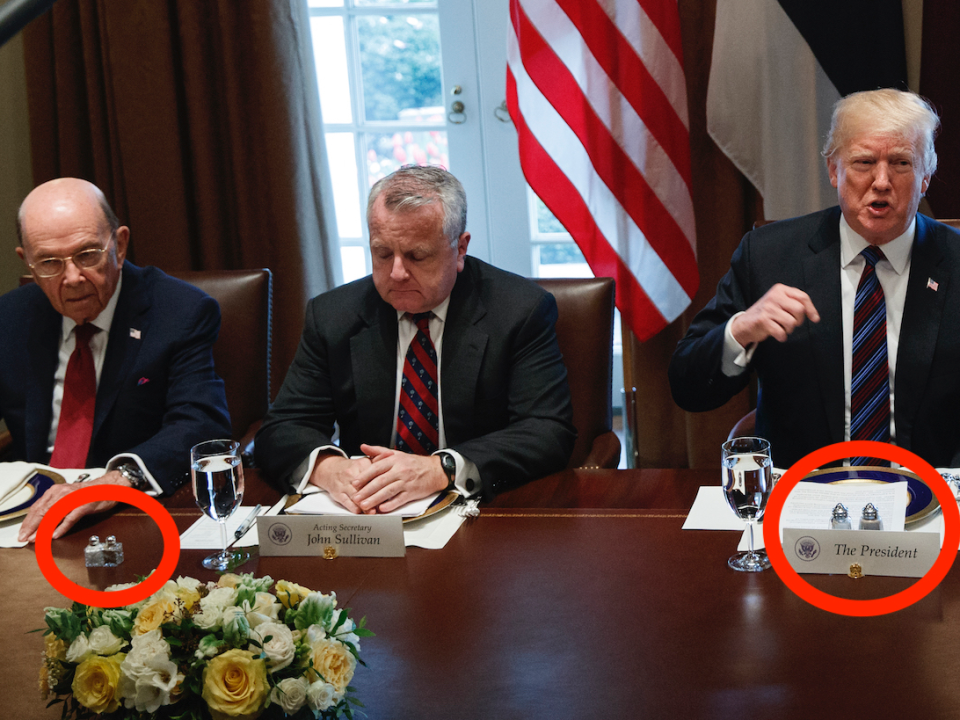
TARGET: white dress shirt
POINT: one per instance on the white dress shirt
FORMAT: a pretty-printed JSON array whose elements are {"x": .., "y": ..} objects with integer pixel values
[
  {"x": 98, "y": 348},
  {"x": 892, "y": 273},
  {"x": 406, "y": 332}
]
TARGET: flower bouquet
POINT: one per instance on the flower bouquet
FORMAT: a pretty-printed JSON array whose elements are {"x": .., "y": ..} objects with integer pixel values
[{"x": 195, "y": 651}]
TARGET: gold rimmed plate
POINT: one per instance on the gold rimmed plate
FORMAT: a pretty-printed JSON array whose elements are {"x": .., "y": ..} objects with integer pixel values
[
  {"x": 20, "y": 504},
  {"x": 921, "y": 500},
  {"x": 444, "y": 500}
]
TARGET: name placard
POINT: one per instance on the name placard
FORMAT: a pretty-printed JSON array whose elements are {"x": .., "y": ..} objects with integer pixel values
[
  {"x": 331, "y": 536},
  {"x": 897, "y": 554}
]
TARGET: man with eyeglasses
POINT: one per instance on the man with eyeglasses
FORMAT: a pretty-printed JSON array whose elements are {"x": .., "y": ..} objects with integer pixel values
[{"x": 102, "y": 364}]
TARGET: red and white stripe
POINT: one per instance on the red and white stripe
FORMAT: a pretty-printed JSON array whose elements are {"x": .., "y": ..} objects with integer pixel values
[{"x": 597, "y": 93}]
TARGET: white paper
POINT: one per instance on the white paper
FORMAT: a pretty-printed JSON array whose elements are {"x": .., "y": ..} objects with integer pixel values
[
  {"x": 320, "y": 503},
  {"x": 433, "y": 532},
  {"x": 204, "y": 534},
  {"x": 810, "y": 505},
  {"x": 710, "y": 511}
]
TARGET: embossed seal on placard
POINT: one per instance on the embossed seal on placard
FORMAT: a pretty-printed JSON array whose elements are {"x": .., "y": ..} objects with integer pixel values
[
  {"x": 280, "y": 534},
  {"x": 807, "y": 548},
  {"x": 329, "y": 552},
  {"x": 856, "y": 572}
]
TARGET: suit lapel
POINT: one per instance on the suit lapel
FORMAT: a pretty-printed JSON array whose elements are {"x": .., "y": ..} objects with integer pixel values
[
  {"x": 373, "y": 353},
  {"x": 44, "y": 342},
  {"x": 922, "y": 311},
  {"x": 462, "y": 353},
  {"x": 122, "y": 348},
  {"x": 821, "y": 270}
]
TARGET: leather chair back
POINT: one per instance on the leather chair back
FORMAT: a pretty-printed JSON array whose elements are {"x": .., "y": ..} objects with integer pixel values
[
  {"x": 585, "y": 335},
  {"x": 241, "y": 354}
]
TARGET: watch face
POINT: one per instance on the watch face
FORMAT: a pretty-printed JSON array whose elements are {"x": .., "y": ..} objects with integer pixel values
[{"x": 448, "y": 464}]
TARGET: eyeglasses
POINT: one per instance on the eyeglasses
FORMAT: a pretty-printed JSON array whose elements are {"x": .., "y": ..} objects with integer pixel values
[{"x": 86, "y": 259}]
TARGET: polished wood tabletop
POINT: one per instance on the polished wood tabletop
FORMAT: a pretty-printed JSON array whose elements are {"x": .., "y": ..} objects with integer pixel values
[{"x": 575, "y": 596}]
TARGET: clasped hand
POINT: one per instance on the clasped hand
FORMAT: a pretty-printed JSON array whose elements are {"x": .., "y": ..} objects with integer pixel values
[{"x": 382, "y": 481}]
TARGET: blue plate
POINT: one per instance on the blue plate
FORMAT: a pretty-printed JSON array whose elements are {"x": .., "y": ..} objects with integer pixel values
[
  {"x": 41, "y": 481},
  {"x": 921, "y": 502}
]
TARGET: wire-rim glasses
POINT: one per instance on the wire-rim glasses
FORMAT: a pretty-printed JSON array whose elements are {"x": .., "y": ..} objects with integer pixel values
[{"x": 86, "y": 259}]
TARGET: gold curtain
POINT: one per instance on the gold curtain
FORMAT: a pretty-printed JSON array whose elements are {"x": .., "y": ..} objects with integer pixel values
[
  {"x": 726, "y": 206},
  {"x": 199, "y": 119}
]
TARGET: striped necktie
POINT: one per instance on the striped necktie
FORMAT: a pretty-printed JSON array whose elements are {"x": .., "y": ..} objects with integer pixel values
[
  {"x": 418, "y": 417},
  {"x": 869, "y": 381},
  {"x": 75, "y": 428}
]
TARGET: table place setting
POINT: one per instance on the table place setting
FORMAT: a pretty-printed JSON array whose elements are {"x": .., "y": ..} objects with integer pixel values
[{"x": 22, "y": 484}]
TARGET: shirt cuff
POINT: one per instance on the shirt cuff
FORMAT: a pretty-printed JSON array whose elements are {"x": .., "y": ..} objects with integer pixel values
[
  {"x": 467, "y": 480},
  {"x": 736, "y": 358},
  {"x": 118, "y": 460},
  {"x": 311, "y": 463}
]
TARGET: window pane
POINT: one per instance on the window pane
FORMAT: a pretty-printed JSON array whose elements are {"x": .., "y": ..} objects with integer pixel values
[
  {"x": 346, "y": 188},
  {"x": 559, "y": 260},
  {"x": 400, "y": 64},
  {"x": 325, "y": 3},
  {"x": 354, "y": 261},
  {"x": 330, "y": 56},
  {"x": 370, "y": 3},
  {"x": 546, "y": 221},
  {"x": 387, "y": 152}
]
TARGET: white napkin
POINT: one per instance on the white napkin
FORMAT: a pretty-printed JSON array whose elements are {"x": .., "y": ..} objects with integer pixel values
[
  {"x": 320, "y": 503},
  {"x": 13, "y": 478},
  {"x": 435, "y": 531}
]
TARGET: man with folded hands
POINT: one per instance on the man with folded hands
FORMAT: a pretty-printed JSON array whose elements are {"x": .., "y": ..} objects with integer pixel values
[
  {"x": 102, "y": 364},
  {"x": 439, "y": 370},
  {"x": 850, "y": 316}
]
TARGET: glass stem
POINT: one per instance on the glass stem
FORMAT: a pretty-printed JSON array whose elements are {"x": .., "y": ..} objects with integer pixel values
[
  {"x": 223, "y": 536},
  {"x": 750, "y": 535}
]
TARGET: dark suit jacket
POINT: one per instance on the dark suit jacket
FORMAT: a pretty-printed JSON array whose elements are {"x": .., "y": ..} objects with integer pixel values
[
  {"x": 158, "y": 394},
  {"x": 505, "y": 400},
  {"x": 801, "y": 398}
]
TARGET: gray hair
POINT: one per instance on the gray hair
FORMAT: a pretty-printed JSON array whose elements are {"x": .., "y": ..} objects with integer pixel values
[
  {"x": 886, "y": 112},
  {"x": 414, "y": 186}
]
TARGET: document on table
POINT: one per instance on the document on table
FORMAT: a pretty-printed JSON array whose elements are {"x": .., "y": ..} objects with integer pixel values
[
  {"x": 204, "y": 534},
  {"x": 320, "y": 503}
]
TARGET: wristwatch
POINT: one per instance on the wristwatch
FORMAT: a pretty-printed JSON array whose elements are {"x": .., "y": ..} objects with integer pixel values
[
  {"x": 134, "y": 476},
  {"x": 449, "y": 465}
]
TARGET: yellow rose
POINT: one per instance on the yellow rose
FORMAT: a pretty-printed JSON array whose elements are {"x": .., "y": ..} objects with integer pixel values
[
  {"x": 333, "y": 661},
  {"x": 290, "y": 594},
  {"x": 154, "y": 614},
  {"x": 228, "y": 580},
  {"x": 95, "y": 683},
  {"x": 235, "y": 685}
]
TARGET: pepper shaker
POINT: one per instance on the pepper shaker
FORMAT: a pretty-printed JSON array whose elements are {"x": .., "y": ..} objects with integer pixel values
[
  {"x": 839, "y": 519},
  {"x": 870, "y": 519}
]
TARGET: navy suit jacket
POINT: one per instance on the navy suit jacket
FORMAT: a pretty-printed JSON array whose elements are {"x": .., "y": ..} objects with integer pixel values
[
  {"x": 800, "y": 405},
  {"x": 505, "y": 400},
  {"x": 158, "y": 393}
]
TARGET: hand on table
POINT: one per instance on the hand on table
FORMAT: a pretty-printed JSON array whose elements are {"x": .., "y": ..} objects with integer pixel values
[
  {"x": 336, "y": 474},
  {"x": 28, "y": 530},
  {"x": 396, "y": 478},
  {"x": 780, "y": 311}
]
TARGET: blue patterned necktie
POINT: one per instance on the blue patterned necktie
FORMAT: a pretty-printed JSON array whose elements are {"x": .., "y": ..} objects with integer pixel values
[
  {"x": 418, "y": 418},
  {"x": 869, "y": 380}
]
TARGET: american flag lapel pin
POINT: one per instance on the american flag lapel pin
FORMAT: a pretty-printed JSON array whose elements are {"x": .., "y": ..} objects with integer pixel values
[
  {"x": 134, "y": 333},
  {"x": 933, "y": 284}
]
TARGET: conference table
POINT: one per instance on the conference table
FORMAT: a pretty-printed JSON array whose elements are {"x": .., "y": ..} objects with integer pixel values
[{"x": 577, "y": 595}]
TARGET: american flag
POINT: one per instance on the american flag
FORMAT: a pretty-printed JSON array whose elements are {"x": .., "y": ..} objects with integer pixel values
[{"x": 596, "y": 90}]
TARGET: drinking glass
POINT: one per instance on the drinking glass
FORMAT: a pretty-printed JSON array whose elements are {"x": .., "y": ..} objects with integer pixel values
[
  {"x": 747, "y": 482},
  {"x": 218, "y": 489}
]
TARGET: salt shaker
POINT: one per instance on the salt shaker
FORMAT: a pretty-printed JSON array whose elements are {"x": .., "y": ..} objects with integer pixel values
[
  {"x": 840, "y": 520},
  {"x": 870, "y": 519},
  {"x": 93, "y": 552},
  {"x": 112, "y": 552}
]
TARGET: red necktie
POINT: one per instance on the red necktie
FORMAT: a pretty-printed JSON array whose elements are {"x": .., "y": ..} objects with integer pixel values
[
  {"x": 79, "y": 400},
  {"x": 418, "y": 419}
]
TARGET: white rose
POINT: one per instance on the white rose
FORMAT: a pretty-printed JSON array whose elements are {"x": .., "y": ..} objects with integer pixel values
[
  {"x": 290, "y": 694},
  {"x": 151, "y": 686},
  {"x": 209, "y": 619},
  {"x": 147, "y": 646},
  {"x": 212, "y": 606},
  {"x": 103, "y": 642},
  {"x": 79, "y": 649},
  {"x": 279, "y": 649},
  {"x": 321, "y": 696}
]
